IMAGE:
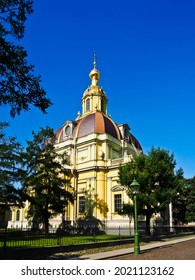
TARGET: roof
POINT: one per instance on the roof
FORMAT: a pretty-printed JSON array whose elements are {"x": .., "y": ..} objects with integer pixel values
[{"x": 96, "y": 123}]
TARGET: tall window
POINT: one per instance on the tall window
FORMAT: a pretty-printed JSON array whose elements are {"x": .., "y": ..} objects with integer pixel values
[
  {"x": 87, "y": 105},
  {"x": 117, "y": 203},
  {"x": 81, "y": 204}
]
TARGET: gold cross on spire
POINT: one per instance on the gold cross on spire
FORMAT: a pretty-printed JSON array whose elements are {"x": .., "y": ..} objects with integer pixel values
[{"x": 94, "y": 62}]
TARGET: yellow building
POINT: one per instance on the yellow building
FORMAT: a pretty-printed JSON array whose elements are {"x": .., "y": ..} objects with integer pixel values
[{"x": 96, "y": 146}]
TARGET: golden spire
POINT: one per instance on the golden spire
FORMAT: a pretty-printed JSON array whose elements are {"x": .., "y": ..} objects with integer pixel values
[{"x": 94, "y": 74}]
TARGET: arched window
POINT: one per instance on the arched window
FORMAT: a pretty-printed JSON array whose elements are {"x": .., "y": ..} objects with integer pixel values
[
  {"x": 17, "y": 215},
  {"x": 87, "y": 105}
]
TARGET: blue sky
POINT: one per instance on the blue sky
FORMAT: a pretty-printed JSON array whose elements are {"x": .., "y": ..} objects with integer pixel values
[{"x": 146, "y": 57}]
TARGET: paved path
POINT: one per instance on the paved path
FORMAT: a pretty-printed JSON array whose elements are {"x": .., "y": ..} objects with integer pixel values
[{"x": 177, "y": 249}]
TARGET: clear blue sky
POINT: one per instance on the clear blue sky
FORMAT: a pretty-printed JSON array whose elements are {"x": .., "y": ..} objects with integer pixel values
[{"x": 146, "y": 57}]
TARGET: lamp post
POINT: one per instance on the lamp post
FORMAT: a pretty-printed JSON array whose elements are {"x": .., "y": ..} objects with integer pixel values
[{"x": 135, "y": 185}]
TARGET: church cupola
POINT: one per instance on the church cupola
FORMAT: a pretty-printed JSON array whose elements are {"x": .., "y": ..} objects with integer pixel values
[{"x": 94, "y": 98}]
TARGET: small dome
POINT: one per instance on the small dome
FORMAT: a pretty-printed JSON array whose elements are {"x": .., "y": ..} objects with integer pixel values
[
  {"x": 96, "y": 123},
  {"x": 94, "y": 74}
]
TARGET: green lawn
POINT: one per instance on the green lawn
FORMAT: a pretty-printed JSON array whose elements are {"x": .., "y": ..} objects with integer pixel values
[{"x": 32, "y": 240}]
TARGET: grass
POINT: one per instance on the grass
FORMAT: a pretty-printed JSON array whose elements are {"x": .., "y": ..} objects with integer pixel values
[
  {"x": 32, "y": 240},
  {"x": 18, "y": 239}
]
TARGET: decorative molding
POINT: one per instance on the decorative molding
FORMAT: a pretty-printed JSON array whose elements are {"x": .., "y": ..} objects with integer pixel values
[{"x": 117, "y": 188}]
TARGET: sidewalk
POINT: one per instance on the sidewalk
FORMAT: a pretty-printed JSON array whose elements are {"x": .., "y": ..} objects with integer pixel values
[{"x": 120, "y": 252}]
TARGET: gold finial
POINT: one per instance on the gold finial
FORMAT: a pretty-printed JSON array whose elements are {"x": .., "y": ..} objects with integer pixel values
[
  {"x": 94, "y": 62},
  {"x": 94, "y": 74}
]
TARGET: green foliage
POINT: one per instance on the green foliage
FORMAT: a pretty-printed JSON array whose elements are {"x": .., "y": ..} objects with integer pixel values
[
  {"x": 184, "y": 200},
  {"x": 13, "y": 14},
  {"x": 127, "y": 210},
  {"x": 26, "y": 239},
  {"x": 190, "y": 200},
  {"x": 158, "y": 183},
  {"x": 10, "y": 169},
  {"x": 45, "y": 180},
  {"x": 89, "y": 205},
  {"x": 89, "y": 225},
  {"x": 19, "y": 87},
  {"x": 179, "y": 199}
]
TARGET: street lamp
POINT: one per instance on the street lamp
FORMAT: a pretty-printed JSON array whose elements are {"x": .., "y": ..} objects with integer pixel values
[{"x": 135, "y": 185}]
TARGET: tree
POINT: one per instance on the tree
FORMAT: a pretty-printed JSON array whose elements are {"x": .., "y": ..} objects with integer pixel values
[
  {"x": 128, "y": 210},
  {"x": 179, "y": 199},
  {"x": 190, "y": 200},
  {"x": 155, "y": 174},
  {"x": 184, "y": 202},
  {"x": 10, "y": 170},
  {"x": 45, "y": 181},
  {"x": 19, "y": 87}
]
